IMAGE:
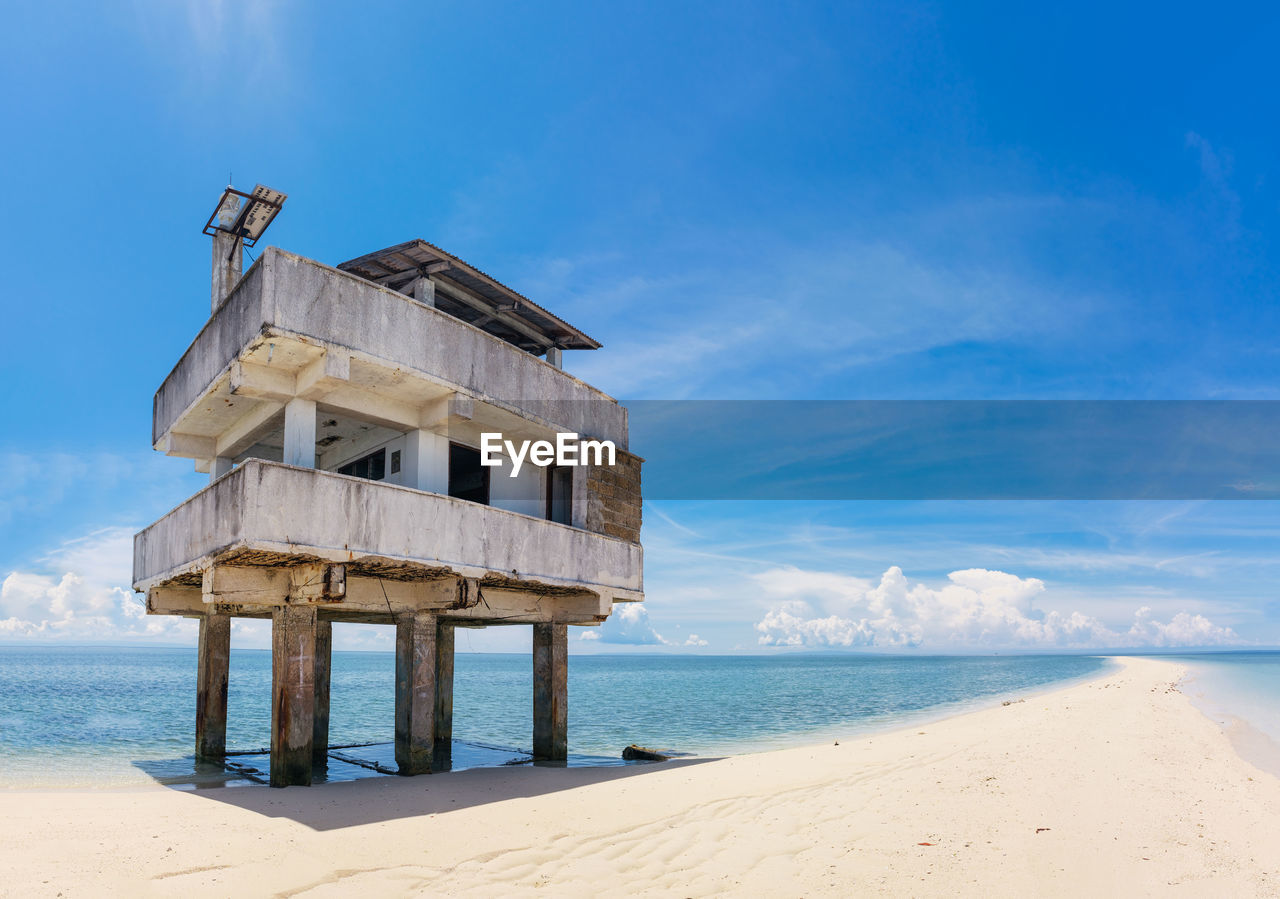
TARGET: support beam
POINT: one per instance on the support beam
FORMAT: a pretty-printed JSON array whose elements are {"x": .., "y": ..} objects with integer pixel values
[
  {"x": 300, "y": 433},
  {"x": 317, "y": 378},
  {"x": 415, "y": 691},
  {"x": 189, "y": 446},
  {"x": 320, "y": 717},
  {"x": 514, "y": 606},
  {"x": 550, "y": 691},
  {"x": 443, "y": 752},
  {"x": 213, "y": 657},
  {"x": 293, "y": 686},
  {"x": 485, "y": 305},
  {"x": 248, "y": 429}
]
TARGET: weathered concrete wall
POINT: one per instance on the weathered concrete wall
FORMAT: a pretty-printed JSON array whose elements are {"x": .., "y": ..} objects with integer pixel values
[
  {"x": 288, "y": 295},
  {"x": 613, "y": 498},
  {"x": 271, "y": 507},
  {"x": 236, "y": 323}
]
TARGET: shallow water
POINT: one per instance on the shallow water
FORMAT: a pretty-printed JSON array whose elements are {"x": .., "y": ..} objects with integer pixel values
[
  {"x": 105, "y": 715},
  {"x": 1241, "y": 692}
]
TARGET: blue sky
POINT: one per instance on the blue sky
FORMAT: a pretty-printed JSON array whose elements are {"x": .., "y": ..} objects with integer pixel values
[{"x": 933, "y": 201}]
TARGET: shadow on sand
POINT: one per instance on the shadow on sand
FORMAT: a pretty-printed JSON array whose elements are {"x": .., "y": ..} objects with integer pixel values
[{"x": 357, "y": 787}]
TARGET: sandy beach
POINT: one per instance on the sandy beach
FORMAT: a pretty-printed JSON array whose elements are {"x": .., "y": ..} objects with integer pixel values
[{"x": 1115, "y": 786}]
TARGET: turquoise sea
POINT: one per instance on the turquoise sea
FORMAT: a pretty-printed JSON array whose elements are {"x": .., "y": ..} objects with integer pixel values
[
  {"x": 113, "y": 716},
  {"x": 1241, "y": 692}
]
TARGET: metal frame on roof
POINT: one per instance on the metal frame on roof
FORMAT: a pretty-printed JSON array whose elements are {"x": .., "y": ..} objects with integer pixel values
[
  {"x": 251, "y": 220},
  {"x": 467, "y": 293}
]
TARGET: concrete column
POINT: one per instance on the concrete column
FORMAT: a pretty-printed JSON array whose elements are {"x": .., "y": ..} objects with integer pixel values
[
  {"x": 550, "y": 691},
  {"x": 228, "y": 259},
  {"x": 221, "y": 465},
  {"x": 213, "y": 657},
  {"x": 415, "y": 691},
  {"x": 300, "y": 433},
  {"x": 320, "y": 715},
  {"x": 293, "y": 694},
  {"x": 426, "y": 461},
  {"x": 424, "y": 291},
  {"x": 555, "y": 356},
  {"x": 443, "y": 751}
]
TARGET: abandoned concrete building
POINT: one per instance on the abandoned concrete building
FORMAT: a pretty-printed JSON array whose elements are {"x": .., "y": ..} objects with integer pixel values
[{"x": 338, "y": 412}]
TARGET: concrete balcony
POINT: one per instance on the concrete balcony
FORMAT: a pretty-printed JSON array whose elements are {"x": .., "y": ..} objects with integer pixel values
[
  {"x": 269, "y": 534},
  {"x": 293, "y": 327}
]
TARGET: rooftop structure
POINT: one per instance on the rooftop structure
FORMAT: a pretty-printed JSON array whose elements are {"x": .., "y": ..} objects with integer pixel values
[{"x": 339, "y": 413}]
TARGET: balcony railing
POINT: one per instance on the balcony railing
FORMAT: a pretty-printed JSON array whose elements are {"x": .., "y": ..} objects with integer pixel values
[{"x": 268, "y": 510}]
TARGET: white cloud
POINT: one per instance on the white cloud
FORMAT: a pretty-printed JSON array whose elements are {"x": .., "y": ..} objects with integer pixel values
[
  {"x": 976, "y": 607},
  {"x": 629, "y": 624},
  {"x": 82, "y": 592}
]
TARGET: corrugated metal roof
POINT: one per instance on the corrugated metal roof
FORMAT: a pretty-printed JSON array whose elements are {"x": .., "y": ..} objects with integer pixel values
[{"x": 467, "y": 293}]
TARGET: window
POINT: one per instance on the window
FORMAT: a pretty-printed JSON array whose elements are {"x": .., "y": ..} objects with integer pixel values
[
  {"x": 372, "y": 466},
  {"x": 468, "y": 479},
  {"x": 560, "y": 494}
]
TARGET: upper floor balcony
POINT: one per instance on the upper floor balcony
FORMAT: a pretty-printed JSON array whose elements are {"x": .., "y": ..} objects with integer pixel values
[{"x": 320, "y": 368}]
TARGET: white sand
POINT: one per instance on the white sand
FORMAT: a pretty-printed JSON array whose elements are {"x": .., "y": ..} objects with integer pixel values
[{"x": 1114, "y": 787}]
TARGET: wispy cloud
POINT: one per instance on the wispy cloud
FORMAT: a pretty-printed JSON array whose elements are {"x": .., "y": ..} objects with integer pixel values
[
  {"x": 849, "y": 304},
  {"x": 1221, "y": 199},
  {"x": 233, "y": 46}
]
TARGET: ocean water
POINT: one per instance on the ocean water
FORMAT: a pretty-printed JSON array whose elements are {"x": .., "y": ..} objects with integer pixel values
[
  {"x": 106, "y": 715},
  {"x": 1241, "y": 692}
]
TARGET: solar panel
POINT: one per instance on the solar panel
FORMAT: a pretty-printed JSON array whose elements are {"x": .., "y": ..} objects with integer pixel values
[
  {"x": 261, "y": 210},
  {"x": 245, "y": 215}
]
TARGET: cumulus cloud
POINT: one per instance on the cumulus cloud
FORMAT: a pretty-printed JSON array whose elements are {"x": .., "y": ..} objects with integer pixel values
[
  {"x": 82, "y": 591},
  {"x": 629, "y": 625},
  {"x": 976, "y": 607}
]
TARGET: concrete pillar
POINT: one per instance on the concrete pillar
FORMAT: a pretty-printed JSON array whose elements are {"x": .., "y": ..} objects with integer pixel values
[
  {"x": 415, "y": 691},
  {"x": 320, "y": 715},
  {"x": 426, "y": 461},
  {"x": 213, "y": 658},
  {"x": 300, "y": 433},
  {"x": 550, "y": 691},
  {"x": 443, "y": 740},
  {"x": 424, "y": 291},
  {"x": 221, "y": 465},
  {"x": 555, "y": 356},
  {"x": 293, "y": 694},
  {"x": 228, "y": 259}
]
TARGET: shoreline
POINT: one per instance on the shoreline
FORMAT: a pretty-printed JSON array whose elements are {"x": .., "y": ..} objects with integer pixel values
[
  {"x": 75, "y": 771},
  {"x": 1117, "y": 784},
  {"x": 1250, "y": 741}
]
